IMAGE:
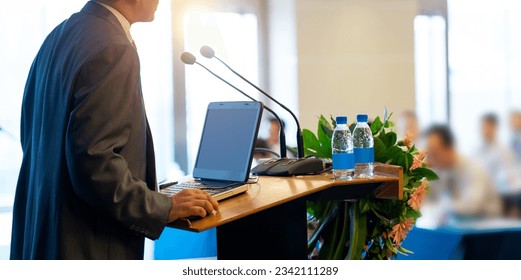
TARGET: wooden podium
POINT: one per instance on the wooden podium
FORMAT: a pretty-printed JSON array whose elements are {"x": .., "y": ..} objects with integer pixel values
[{"x": 270, "y": 220}]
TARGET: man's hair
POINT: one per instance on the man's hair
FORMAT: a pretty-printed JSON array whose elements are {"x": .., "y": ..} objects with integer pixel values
[
  {"x": 444, "y": 133},
  {"x": 490, "y": 118}
]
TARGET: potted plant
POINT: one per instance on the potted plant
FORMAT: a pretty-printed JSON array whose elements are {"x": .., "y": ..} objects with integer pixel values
[{"x": 369, "y": 228}]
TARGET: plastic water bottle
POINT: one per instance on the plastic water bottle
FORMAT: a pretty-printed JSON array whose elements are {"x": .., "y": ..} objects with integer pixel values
[
  {"x": 342, "y": 148},
  {"x": 364, "y": 148}
]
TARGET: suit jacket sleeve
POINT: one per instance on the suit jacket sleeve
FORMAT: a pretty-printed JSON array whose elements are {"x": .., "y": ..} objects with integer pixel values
[{"x": 102, "y": 111}]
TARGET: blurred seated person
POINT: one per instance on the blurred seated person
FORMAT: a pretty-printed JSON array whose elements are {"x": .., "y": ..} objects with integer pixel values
[
  {"x": 495, "y": 159},
  {"x": 513, "y": 200},
  {"x": 273, "y": 138},
  {"x": 515, "y": 124},
  {"x": 463, "y": 190}
]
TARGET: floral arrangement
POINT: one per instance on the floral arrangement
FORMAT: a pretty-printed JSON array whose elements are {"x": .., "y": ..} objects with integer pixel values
[{"x": 369, "y": 228}]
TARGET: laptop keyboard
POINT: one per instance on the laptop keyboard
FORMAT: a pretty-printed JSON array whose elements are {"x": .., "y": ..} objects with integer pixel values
[{"x": 211, "y": 190}]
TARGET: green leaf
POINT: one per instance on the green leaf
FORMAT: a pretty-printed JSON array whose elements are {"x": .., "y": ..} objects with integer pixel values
[
  {"x": 365, "y": 206},
  {"x": 394, "y": 153},
  {"x": 333, "y": 120},
  {"x": 412, "y": 214},
  {"x": 380, "y": 151},
  {"x": 376, "y": 126},
  {"x": 319, "y": 209},
  {"x": 311, "y": 142},
  {"x": 311, "y": 208},
  {"x": 404, "y": 251},
  {"x": 424, "y": 173},
  {"x": 325, "y": 127},
  {"x": 390, "y": 139},
  {"x": 310, "y": 138},
  {"x": 389, "y": 243},
  {"x": 383, "y": 220},
  {"x": 352, "y": 127},
  {"x": 324, "y": 132},
  {"x": 405, "y": 180},
  {"x": 403, "y": 159},
  {"x": 340, "y": 251},
  {"x": 358, "y": 232},
  {"x": 330, "y": 242},
  {"x": 387, "y": 122}
]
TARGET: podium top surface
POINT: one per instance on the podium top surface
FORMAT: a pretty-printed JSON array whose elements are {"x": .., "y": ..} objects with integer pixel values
[{"x": 273, "y": 191}]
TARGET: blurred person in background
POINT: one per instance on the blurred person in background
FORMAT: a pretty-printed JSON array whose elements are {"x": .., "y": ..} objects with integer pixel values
[
  {"x": 515, "y": 124},
  {"x": 495, "y": 159},
  {"x": 273, "y": 137},
  {"x": 464, "y": 190},
  {"x": 513, "y": 200}
]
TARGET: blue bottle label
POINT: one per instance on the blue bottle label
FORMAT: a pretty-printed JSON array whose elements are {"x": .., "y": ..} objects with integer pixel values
[
  {"x": 364, "y": 155},
  {"x": 343, "y": 161}
]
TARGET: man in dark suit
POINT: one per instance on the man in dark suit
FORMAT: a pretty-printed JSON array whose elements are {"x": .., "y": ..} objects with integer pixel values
[{"x": 87, "y": 186}]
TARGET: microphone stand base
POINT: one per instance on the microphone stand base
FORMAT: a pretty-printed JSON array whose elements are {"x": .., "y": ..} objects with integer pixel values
[{"x": 290, "y": 167}]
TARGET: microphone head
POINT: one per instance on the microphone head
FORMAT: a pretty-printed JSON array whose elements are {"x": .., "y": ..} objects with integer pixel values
[
  {"x": 207, "y": 52},
  {"x": 188, "y": 58}
]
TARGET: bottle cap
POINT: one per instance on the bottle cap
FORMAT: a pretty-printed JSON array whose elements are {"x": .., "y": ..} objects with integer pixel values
[
  {"x": 341, "y": 120},
  {"x": 362, "y": 118}
]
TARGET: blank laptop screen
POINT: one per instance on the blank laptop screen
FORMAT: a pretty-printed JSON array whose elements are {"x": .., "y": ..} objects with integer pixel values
[{"x": 226, "y": 148}]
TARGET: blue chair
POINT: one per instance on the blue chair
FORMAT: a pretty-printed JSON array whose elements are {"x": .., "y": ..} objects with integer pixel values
[
  {"x": 177, "y": 244},
  {"x": 432, "y": 245}
]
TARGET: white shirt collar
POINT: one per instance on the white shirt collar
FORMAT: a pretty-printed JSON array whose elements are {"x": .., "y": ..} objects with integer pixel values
[{"x": 122, "y": 20}]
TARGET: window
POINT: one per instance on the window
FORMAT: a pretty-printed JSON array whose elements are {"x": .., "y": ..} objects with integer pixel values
[
  {"x": 485, "y": 63},
  {"x": 431, "y": 69}
]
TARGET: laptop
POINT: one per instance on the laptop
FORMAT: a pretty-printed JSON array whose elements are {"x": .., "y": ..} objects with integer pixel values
[{"x": 225, "y": 154}]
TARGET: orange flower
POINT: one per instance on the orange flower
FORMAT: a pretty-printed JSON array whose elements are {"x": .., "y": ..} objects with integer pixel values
[
  {"x": 416, "y": 199},
  {"x": 418, "y": 160},
  {"x": 407, "y": 139},
  {"x": 400, "y": 230}
]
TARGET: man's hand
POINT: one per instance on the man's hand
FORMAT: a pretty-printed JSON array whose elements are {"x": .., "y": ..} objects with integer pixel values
[{"x": 192, "y": 203}]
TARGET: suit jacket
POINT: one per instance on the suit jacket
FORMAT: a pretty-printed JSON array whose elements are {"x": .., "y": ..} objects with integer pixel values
[{"x": 87, "y": 185}]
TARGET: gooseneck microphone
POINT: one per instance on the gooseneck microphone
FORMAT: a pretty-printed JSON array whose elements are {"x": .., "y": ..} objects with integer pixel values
[
  {"x": 208, "y": 52},
  {"x": 283, "y": 167},
  {"x": 190, "y": 59}
]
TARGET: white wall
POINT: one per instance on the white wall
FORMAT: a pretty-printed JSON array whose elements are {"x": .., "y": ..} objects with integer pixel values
[{"x": 354, "y": 56}]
